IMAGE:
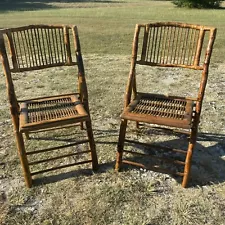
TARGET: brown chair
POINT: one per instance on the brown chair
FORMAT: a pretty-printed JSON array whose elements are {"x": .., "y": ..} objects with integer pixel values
[
  {"x": 37, "y": 47},
  {"x": 165, "y": 45}
]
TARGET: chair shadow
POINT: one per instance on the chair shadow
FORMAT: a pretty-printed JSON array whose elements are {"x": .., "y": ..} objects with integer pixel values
[
  {"x": 208, "y": 167},
  {"x": 103, "y": 168}
]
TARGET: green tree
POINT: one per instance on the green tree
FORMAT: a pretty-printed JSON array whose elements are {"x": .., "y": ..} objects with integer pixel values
[{"x": 197, "y": 3}]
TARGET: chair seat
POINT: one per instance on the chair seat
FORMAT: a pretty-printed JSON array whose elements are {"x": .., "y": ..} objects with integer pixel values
[
  {"x": 52, "y": 111},
  {"x": 160, "y": 109}
]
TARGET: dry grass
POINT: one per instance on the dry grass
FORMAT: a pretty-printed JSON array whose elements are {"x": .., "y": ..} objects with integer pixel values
[
  {"x": 134, "y": 196},
  {"x": 76, "y": 196}
]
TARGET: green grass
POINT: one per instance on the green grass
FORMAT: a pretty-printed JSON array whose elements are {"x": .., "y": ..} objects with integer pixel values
[
  {"x": 108, "y": 27},
  {"x": 134, "y": 196}
]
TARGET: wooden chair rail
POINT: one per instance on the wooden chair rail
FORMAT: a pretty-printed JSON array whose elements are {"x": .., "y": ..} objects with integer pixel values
[
  {"x": 56, "y": 148},
  {"x": 57, "y": 157},
  {"x": 43, "y": 26},
  {"x": 177, "y": 24},
  {"x": 153, "y": 168},
  {"x": 60, "y": 167},
  {"x": 142, "y": 62},
  {"x": 47, "y": 97}
]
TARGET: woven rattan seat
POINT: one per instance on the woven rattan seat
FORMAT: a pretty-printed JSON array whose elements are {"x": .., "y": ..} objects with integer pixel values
[
  {"x": 168, "y": 45},
  {"x": 39, "y": 47},
  {"x": 49, "y": 110},
  {"x": 156, "y": 109}
]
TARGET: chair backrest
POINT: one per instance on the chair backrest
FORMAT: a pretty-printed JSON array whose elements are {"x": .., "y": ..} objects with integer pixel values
[
  {"x": 40, "y": 46},
  {"x": 173, "y": 45}
]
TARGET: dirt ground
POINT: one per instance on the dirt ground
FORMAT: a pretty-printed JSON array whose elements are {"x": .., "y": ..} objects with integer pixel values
[{"x": 133, "y": 196}]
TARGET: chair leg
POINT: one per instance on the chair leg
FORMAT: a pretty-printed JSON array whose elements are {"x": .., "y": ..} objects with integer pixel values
[
  {"x": 123, "y": 127},
  {"x": 81, "y": 126},
  {"x": 23, "y": 159},
  {"x": 27, "y": 135},
  {"x": 187, "y": 167},
  {"x": 137, "y": 124},
  {"x": 92, "y": 145}
]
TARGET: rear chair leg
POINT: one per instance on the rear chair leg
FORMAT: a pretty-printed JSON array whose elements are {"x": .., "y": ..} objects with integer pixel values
[
  {"x": 123, "y": 127},
  {"x": 81, "y": 126},
  {"x": 23, "y": 159},
  {"x": 187, "y": 167},
  {"x": 27, "y": 135},
  {"x": 92, "y": 146},
  {"x": 137, "y": 124}
]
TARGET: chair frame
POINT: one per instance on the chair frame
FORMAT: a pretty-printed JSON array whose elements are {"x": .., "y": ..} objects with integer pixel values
[
  {"x": 132, "y": 94},
  {"x": 37, "y": 63}
]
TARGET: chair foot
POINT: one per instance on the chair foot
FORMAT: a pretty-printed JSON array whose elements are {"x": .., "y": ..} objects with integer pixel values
[
  {"x": 95, "y": 164},
  {"x": 28, "y": 182},
  {"x": 118, "y": 161},
  {"x": 185, "y": 180},
  {"x": 95, "y": 167},
  {"x": 187, "y": 167}
]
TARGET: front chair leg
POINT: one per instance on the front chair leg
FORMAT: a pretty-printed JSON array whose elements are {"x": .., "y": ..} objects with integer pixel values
[
  {"x": 187, "y": 167},
  {"x": 23, "y": 159},
  {"x": 123, "y": 127},
  {"x": 92, "y": 146}
]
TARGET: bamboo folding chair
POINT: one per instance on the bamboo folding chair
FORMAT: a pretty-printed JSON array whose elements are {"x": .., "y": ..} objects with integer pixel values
[
  {"x": 38, "y": 47},
  {"x": 166, "y": 45}
]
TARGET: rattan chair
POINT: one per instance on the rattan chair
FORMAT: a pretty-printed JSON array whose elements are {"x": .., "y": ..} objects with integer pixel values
[
  {"x": 165, "y": 45},
  {"x": 37, "y": 47}
]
